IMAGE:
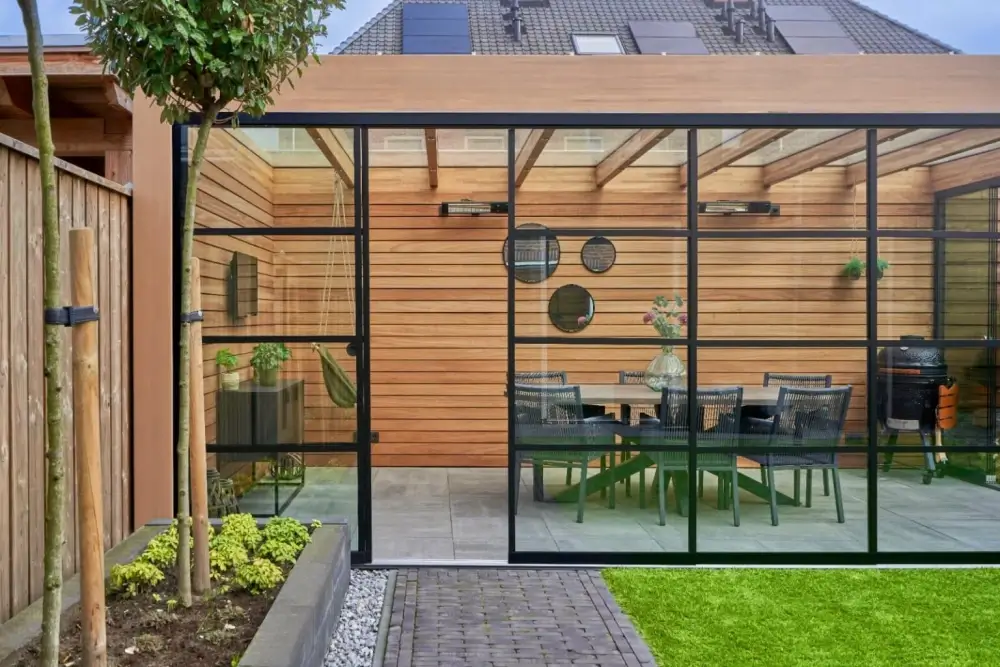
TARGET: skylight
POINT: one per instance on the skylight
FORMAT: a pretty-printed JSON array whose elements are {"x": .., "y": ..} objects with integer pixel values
[{"x": 593, "y": 45}]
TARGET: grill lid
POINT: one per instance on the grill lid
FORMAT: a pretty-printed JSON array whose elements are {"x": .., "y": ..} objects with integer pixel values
[{"x": 916, "y": 359}]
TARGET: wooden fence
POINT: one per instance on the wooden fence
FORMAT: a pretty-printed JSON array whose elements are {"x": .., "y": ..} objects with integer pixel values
[{"x": 85, "y": 200}]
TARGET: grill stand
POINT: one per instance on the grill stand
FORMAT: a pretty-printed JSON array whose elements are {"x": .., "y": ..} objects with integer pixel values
[{"x": 931, "y": 457}]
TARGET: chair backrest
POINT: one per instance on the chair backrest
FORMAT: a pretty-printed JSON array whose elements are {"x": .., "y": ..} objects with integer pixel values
[
  {"x": 631, "y": 377},
  {"x": 537, "y": 404},
  {"x": 810, "y": 417},
  {"x": 540, "y": 377},
  {"x": 718, "y": 414},
  {"x": 790, "y": 380}
]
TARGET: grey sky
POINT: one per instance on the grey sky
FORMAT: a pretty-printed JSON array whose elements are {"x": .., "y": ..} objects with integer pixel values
[{"x": 970, "y": 25}]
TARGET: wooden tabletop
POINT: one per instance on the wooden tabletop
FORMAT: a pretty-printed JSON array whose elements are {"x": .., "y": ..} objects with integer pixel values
[{"x": 640, "y": 394}]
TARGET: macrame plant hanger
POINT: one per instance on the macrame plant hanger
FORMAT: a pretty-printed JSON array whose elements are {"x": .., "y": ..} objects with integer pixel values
[{"x": 339, "y": 385}]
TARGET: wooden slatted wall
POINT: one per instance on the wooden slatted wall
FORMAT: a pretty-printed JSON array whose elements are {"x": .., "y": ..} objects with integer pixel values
[{"x": 84, "y": 201}]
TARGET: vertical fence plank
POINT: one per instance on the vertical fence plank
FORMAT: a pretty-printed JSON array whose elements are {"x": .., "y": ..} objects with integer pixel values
[
  {"x": 19, "y": 463},
  {"x": 66, "y": 186},
  {"x": 115, "y": 366},
  {"x": 126, "y": 354},
  {"x": 6, "y": 540},
  {"x": 103, "y": 239},
  {"x": 36, "y": 383}
]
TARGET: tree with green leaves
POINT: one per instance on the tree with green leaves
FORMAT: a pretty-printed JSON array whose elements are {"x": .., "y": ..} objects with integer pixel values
[
  {"x": 55, "y": 486},
  {"x": 210, "y": 57}
]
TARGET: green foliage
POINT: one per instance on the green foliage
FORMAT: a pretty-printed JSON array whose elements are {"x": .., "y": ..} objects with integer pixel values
[
  {"x": 315, "y": 525},
  {"x": 171, "y": 605},
  {"x": 286, "y": 529},
  {"x": 666, "y": 317},
  {"x": 882, "y": 264},
  {"x": 269, "y": 356},
  {"x": 226, "y": 359},
  {"x": 243, "y": 528},
  {"x": 854, "y": 267},
  {"x": 204, "y": 54},
  {"x": 258, "y": 576},
  {"x": 279, "y": 552},
  {"x": 162, "y": 549},
  {"x": 225, "y": 554},
  {"x": 137, "y": 577}
]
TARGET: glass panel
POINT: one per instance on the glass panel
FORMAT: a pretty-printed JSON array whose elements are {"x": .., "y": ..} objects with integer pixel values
[
  {"x": 250, "y": 148},
  {"x": 768, "y": 179},
  {"x": 250, "y": 402},
  {"x": 780, "y": 288},
  {"x": 277, "y": 285},
  {"x": 905, "y": 287},
  {"x": 567, "y": 398}
]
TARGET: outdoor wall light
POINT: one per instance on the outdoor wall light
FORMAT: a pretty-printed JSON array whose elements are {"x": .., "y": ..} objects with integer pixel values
[
  {"x": 469, "y": 207},
  {"x": 739, "y": 208}
]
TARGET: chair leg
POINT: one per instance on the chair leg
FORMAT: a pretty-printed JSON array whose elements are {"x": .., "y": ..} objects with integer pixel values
[
  {"x": 661, "y": 484},
  {"x": 763, "y": 476},
  {"x": 720, "y": 496},
  {"x": 628, "y": 480},
  {"x": 734, "y": 484},
  {"x": 826, "y": 482},
  {"x": 774, "y": 496},
  {"x": 612, "y": 484},
  {"x": 701, "y": 483},
  {"x": 517, "y": 481},
  {"x": 809, "y": 487},
  {"x": 582, "y": 500},
  {"x": 569, "y": 475},
  {"x": 797, "y": 494},
  {"x": 604, "y": 466},
  {"x": 642, "y": 489},
  {"x": 837, "y": 496}
]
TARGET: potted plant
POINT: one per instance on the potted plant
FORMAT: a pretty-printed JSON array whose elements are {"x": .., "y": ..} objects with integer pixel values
[
  {"x": 666, "y": 369},
  {"x": 266, "y": 361},
  {"x": 880, "y": 267},
  {"x": 854, "y": 268},
  {"x": 229, "y": 378}
]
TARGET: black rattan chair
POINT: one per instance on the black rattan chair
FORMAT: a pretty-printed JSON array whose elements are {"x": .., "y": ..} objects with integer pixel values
[
  {"x": 805, "y": 420},
  {"x": 552, "y": 415},
  {"x": 802, "y": 381},
  {"x": 717, "y": 426}
]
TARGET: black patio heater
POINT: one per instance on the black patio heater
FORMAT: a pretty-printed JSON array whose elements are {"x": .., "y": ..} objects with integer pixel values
[{"x": 916, "y": 395}]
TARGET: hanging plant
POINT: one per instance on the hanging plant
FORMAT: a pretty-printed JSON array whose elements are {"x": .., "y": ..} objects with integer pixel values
[
  {"x": 854, "y": 268},
  {"x": 881, "y": 265}
]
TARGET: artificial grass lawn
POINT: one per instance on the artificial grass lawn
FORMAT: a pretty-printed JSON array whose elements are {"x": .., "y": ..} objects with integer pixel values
[{"x": 842, "y": 617}]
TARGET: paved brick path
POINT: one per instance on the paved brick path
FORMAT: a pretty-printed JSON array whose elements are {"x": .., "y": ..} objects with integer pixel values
[{"x": 502, "y": 618}]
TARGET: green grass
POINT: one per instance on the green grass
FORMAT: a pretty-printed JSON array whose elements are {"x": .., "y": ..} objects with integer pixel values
[{"x": 831, "y": 617}]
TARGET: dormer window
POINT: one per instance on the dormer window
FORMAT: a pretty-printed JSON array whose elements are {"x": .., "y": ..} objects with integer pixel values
[{"x": 597, "y": 45}]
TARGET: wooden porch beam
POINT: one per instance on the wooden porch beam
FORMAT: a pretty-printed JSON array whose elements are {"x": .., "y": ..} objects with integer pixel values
[
  {"x": 732, "y": 150},
  {"x": 431, "y": 144},
  {"x": 71, "y": 136},
  {"x": 117, "y": 98},
  {"x": 937, "y": 148},
  {"x": 13, "y": 105},
  {"x": 822, "y": 154},
  {"x": 625, "y": 155},
  {"x": 966, "y": 171},
  {"x": 529, "y": 154},
  {"x": 334, "y": 153}
]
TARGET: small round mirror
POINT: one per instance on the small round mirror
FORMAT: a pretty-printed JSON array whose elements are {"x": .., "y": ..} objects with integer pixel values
[
  {"x": 598, "y": 254},
  {"x": 571, "y": 308},
  {"x": 536, "y": 258}
]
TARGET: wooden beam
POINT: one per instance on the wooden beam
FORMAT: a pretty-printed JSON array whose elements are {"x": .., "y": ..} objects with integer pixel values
[
  {"x": 11, "y": 104},
  {"x": 117, "y": 98},
  {"x": 529, "y": 154},
  {"x": 334, "y": 152},
  {"x": 966, "y": 171},
  {"x": 72, "y": 136},
  {"x": 822, "y": 154},
  {"x": 625, "y": 155},
  {"x": 730, "y": 151},
  {"x": 431, "y": 143},
  {"x": 118, "y": 166},
  {"x": 937, "y": 148}
]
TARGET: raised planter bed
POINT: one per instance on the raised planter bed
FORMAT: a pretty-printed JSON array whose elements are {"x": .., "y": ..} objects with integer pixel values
[{"x": 290, "y": 626}]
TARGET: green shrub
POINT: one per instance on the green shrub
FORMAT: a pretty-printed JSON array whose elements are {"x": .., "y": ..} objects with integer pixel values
[
  {"x": 242, "y": 527},
  {"x": 258, "y": 576},
  {"x": 161, "y": 551},
  {"x": 225, "y": 554},
  {"x": 286, "y": 530},
  {"x": 279, "y": 552},
  {"x": 134, "y": 578}
]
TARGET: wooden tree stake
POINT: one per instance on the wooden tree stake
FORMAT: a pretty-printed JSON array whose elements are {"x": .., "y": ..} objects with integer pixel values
[
  {"x": 201, "y": 577},
  {"x": 87, "y": 430}
]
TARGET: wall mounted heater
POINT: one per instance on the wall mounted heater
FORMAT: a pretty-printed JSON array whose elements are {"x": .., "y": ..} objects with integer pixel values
[
  {"x": 739, "y": 208},
  {"x": 469, "y": 207}
]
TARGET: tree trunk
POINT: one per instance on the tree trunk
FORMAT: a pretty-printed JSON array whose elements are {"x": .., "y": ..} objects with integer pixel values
[
  {"x": 184, "y": 372},
  {"x": 55, "y": 473}
]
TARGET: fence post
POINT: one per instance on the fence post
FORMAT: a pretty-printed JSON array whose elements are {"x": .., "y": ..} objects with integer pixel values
[
  {"x": 87, "y": 432},
  {"x": 200, "y": 580}
]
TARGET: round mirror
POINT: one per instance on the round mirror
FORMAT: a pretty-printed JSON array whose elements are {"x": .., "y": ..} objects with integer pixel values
[
  {"x": 598, "y": 254},
  {"x": 571, "y": 308},
  {"x": 535, "y": 259}
]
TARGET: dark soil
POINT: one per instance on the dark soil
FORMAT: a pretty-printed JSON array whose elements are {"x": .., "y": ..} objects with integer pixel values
[{"x": 214, "y": 632}]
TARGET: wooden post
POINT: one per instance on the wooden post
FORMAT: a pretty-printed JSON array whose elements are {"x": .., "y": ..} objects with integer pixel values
[
  {"x": 87, "y": 432},
  {"x": 200, "y": 580}
]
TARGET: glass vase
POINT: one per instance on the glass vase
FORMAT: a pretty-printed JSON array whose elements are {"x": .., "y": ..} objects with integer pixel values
[{"x": 665, "y": 370}]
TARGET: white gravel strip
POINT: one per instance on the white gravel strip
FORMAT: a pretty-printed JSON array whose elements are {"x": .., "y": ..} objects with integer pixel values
[{"x": 353, "y": 643}]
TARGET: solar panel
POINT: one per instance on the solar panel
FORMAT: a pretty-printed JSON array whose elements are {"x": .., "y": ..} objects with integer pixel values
[
  {"x": 809, "y": 29},
  {"x": 435, "y": 11},
  {"x": 671, "y": 45},
  {"x": 662, "y": 29},
  {"x": 441, "y": 44},
  {"x": 450, "y": 27},
  {"x": 798, "y": 13},
  {"x": 822, "y": 45}
]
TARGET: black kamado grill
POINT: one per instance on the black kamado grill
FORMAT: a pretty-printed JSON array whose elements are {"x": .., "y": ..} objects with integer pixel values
[{"x": 916, "y": 394}]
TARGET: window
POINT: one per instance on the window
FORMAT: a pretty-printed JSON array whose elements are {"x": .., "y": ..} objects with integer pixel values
[
  {"x": 583, "y": 143},
  {"x": 587, "y": 45}
]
